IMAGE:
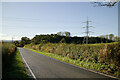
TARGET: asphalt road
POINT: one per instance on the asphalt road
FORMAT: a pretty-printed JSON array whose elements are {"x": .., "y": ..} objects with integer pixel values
[{"x": 46, "y": 67}]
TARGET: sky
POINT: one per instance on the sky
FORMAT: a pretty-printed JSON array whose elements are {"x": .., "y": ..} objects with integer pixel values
[
  {"x": 119, "y": 19},
  {"x": 34, "y": 18}
]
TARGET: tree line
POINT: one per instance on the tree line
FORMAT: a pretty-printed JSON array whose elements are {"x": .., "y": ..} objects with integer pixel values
[
  {"x": 60, "y": 37},
  {"x": 111, "y": 37}
]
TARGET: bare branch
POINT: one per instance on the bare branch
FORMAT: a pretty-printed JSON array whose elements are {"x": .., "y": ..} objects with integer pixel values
[{"x": 108, "y": 4}]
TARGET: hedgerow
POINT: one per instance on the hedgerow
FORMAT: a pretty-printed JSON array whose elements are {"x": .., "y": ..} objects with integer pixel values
[
  {"x": 8, "y": 51},
  {"x": 104, "y": 57}
]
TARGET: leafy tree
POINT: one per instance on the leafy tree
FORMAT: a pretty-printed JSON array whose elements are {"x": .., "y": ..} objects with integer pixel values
[
  {"x": 16, "y": 43},
  {"x": 59, "y": 33},
  {"x": 44, "y": 41},
  {"x": 24, "y": 41},
  {"x": 67, "y": 34},
  {"x": 111, "y": 36},
  {"x": 106, "y": 36},
  {"x": 115, "y": 38}
]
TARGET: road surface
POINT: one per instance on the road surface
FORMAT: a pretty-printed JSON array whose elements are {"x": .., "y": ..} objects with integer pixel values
[{"x": 46, "y": 67}]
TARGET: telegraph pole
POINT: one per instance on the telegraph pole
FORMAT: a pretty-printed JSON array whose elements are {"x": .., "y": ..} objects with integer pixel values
[
  {"x": 12, "y": 39},
  {"x": 87, "y": 31}
]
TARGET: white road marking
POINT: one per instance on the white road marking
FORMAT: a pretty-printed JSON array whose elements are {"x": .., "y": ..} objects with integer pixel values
[{"x": 28, "y": 66}]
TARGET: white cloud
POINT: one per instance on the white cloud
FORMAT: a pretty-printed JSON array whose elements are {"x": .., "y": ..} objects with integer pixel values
[
  {"x": 8, "y": 37},
  {"x": 5, "y": 37}
]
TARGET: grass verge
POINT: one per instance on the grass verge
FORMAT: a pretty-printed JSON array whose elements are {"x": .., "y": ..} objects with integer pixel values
[
  {"x": 99, "y": 67},
  {"x": 17, "y": 69}
]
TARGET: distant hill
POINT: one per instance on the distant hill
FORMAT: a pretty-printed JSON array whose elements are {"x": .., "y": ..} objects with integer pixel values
[{"x": 9, "y": 41}]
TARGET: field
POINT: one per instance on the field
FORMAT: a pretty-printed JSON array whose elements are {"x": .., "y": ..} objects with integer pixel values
[{"x": 103, "y": 57}]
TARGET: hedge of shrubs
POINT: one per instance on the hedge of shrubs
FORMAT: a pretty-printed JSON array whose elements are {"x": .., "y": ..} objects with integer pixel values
[
  {"x": 106, "y": 54},
  {"x": 8, "y": 51}
]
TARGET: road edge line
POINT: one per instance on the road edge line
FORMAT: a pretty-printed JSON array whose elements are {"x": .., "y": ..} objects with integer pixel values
[{"x": 28, "y": 66}]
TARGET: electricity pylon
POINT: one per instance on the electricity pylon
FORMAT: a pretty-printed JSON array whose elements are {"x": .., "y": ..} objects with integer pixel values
[{"x": 87, "y": 32}]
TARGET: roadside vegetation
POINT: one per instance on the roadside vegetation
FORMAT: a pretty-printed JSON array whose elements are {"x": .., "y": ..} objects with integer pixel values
[
  {"x": 12, "y": 64},
  {"x": 8, "y": 50},
  {"x": 100, "y": 54},
  {"x": 104, "y": 57},
  {"x": 17, "y": 69}
]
